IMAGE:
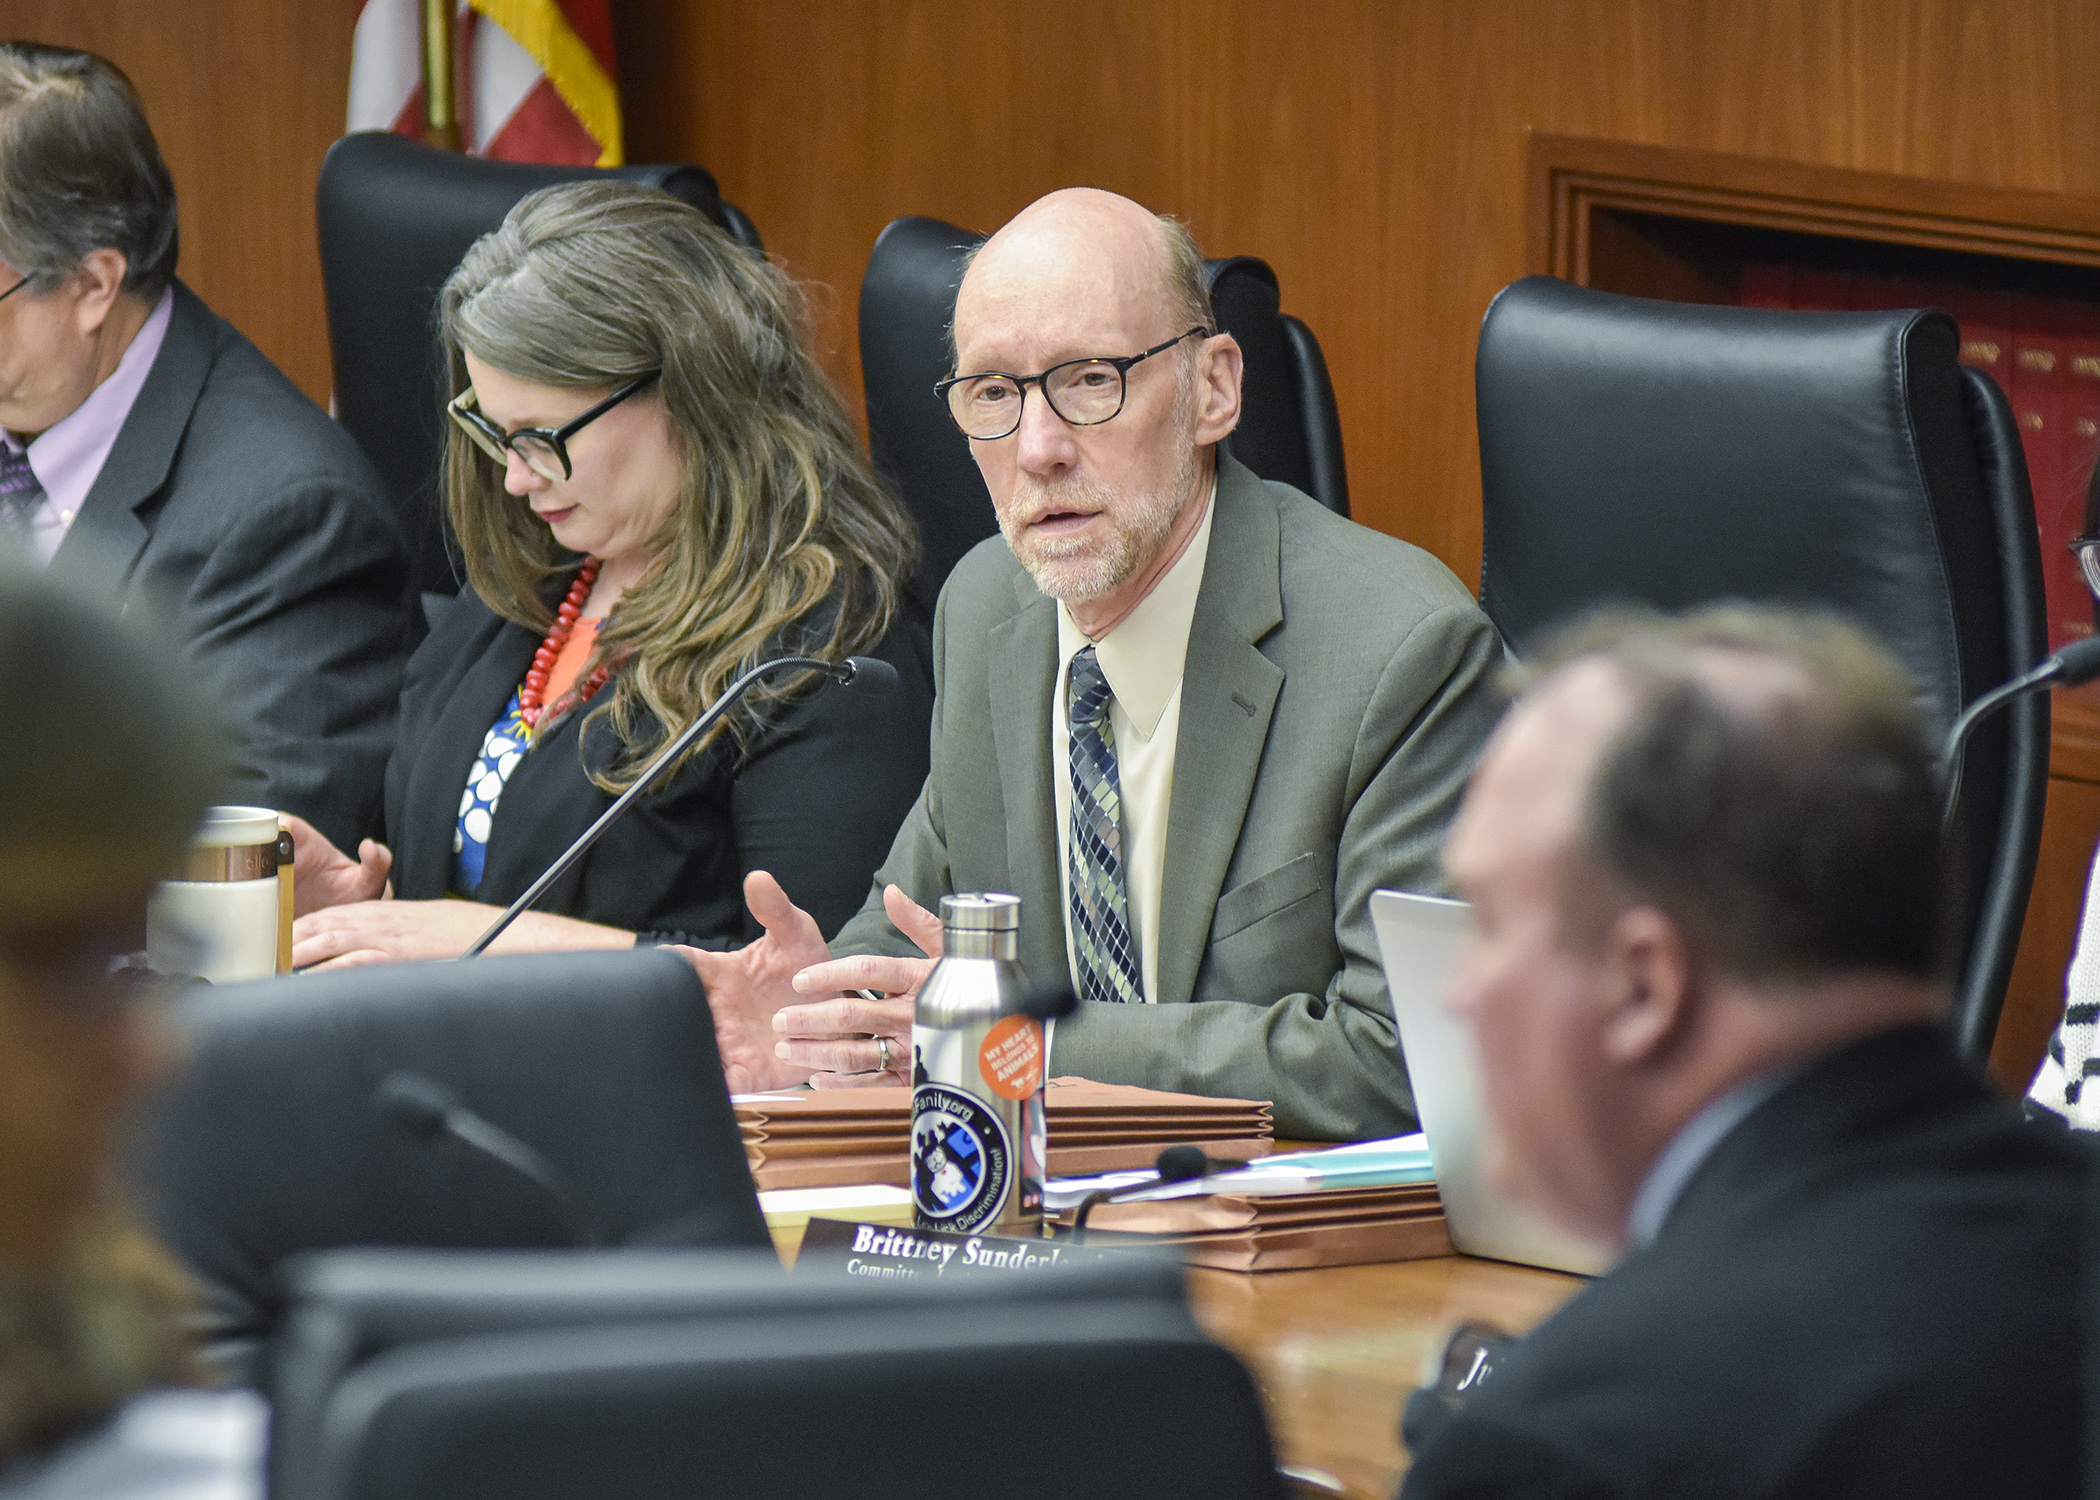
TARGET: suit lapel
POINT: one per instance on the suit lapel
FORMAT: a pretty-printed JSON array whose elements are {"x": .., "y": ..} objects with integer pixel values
[
  {"x": 549, "y": 801},
  {"x": 1022, "y": 652},
  {"x": 1228, "y": 692},
  {"x": 103, "y": 544},
  {"x": 430, "y": 805}
]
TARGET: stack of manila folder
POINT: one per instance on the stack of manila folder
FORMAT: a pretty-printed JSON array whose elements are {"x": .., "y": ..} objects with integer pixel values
[
  {"x": 1347, "y": 1226},
  {"x": 830, "y": 1137}
]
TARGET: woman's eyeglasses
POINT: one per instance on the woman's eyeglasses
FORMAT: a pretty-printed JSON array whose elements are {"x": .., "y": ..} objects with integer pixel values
[{"x": 544, "y": 449}]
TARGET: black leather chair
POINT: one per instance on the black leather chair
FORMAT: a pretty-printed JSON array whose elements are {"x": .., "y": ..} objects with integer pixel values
[
  {"x": 268, "y": 1142},
  {"x": 350, "y": 1308},
  {"x": 1672, "y": 454},
  {"x": 699, "y": 1378},
  {"x": 395, "y": 218},
  {"x": 1289, "y": 427}
]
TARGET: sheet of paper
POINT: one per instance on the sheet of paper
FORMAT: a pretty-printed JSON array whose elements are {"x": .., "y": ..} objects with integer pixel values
[{"x": 1401, "y": 1159}]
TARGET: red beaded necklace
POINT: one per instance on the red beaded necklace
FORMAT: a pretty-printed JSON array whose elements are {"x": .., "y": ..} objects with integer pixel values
[{"x": 529, "y": 704}]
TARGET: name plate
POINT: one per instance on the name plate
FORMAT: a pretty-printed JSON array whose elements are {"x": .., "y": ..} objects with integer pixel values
[{"x": 886, "y": 1252}]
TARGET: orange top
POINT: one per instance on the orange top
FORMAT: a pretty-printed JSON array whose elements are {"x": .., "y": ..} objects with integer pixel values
[{"x": 568, "y": 666}]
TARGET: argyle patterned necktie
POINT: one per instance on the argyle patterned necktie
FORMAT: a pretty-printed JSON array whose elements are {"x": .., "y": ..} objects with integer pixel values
[
  {"x": 19, "y": 493},
  {"x": 1101, "y": 936}
]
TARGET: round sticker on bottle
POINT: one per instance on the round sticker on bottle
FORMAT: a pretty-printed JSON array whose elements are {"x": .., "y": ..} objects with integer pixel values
[
  {"x": 961, "y": 1162},
  {"x": 1011, "y": 1058}
]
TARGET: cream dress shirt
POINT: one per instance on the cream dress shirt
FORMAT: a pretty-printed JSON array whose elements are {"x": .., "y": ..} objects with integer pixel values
[{"x": 1143, "y": 659}]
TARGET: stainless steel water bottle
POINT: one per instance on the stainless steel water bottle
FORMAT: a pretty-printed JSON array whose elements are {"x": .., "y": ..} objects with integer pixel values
[{"x": 978, "y": 1140}]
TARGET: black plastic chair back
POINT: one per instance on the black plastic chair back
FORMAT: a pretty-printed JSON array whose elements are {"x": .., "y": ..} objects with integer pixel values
[
  {"x": 1673, "y": 455},
  {"x": 941, "y": 1390},
  {"x": 268, "y": 1143},
  {"x": 1290, "y": 428},
  {"x": 349, "y": 1308},
  {"x": 395, "y": 218}
]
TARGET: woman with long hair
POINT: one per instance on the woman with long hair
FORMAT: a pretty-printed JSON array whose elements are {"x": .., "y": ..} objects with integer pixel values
[{"x": 653, "y": 489}]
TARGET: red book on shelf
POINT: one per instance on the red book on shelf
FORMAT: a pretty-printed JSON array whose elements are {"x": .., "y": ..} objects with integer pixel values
[
  {"x": 1986, "y": 331},
  {"x": 1767, "y": 283},
  {"x": 1822, "y": 291},
  {"x": 1876, "y": 293},
  {"x": 2081, "y": 440},
  {"x": 2041, "y": 373}
]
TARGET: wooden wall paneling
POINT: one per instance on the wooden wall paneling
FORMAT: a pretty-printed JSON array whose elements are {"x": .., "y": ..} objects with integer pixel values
[
  {"x": 245, "y": 97},
  {"x": 1371, "y": 150}
]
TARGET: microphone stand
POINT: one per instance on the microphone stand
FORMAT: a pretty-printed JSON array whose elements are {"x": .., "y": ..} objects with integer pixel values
[
  {"x": 843, "y": 673},
  {"x": 1175, "y": 1164},
  {"x": 2077, "y": 663},
  {"x": 425, "y": 1110}
]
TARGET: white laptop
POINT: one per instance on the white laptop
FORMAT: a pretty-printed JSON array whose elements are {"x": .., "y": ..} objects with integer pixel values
[{"x": 1420, "y": 938}]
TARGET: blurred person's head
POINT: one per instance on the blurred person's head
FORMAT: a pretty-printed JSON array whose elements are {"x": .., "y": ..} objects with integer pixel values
[
  {"x": 728, "y": 482},
  {"x": 1699, "y": 850},
  {"x": 102, "y": 777},
  {"x": 1096, "y": 506},
  {"x": 87, "y": 228}
]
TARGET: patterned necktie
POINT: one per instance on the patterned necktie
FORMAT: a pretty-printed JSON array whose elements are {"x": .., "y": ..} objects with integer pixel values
[
  {"x": 19, "y": 493},
  {"x": 1101, "y": 935}
]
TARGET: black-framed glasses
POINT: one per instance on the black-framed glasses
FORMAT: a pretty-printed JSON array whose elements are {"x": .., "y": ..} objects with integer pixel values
[
  {"x": 16, "y": 288},
  {"x": 1084, "y": 392},
  {"x": 544, "y": 449},
  {"x": 2087, "y": 550}
]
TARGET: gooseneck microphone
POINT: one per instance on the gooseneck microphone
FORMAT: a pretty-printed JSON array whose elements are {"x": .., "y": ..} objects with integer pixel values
[
  {"x": 1175, "y": 1164},
  {"x": 2077, "y": 663},
  {"x": 865, "y": 674},
  {"x": 425, "y": 1110}
]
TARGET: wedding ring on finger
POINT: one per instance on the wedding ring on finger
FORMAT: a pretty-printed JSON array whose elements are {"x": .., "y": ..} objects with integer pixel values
[{"x": 882, "y": 1052}]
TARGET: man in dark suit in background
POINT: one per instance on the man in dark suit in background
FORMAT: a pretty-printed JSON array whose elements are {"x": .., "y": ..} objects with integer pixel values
[
  {"x": 153, "y": 455},
  {"x": 1705, "y": 985}
]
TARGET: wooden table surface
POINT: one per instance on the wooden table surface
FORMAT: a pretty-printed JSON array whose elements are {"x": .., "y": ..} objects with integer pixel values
[{"x": 1336, "y": 1351}]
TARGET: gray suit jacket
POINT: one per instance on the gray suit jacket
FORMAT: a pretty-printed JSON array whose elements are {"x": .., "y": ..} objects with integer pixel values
[
  {"x": 1335, "y": 694},
  {"x": 232, "y": 507}
]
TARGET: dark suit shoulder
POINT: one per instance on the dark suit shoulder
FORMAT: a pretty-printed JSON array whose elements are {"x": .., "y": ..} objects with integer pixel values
[
  {"x": 1836, "y": 1311},
  {"x": 254, "y": 426}
]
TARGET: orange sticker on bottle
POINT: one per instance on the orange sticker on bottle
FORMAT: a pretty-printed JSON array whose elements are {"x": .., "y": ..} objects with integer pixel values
[{"x": 1011, "y": 1058}]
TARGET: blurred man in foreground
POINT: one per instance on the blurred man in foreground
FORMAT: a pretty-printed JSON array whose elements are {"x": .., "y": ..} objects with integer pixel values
[
  {"x": 146, "y": 448},
  {"x": 1705, "y": 987},
  {"x": 100, "y": 788}
]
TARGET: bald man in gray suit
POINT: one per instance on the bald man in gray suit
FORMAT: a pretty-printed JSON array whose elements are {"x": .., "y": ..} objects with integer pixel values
[{"x": 1191, "y": 718}]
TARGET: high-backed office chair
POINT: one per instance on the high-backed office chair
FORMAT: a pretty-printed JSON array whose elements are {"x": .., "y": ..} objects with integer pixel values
[
  {"x": 269, "y": 1142},
  {"x": 349, "y": 1308},
  {"x": 1289, "y": 430},
  {"x": 1672, "y": 454},
  {"x": 395, "y": 218},
  {"x": 743, "y": 1383}
]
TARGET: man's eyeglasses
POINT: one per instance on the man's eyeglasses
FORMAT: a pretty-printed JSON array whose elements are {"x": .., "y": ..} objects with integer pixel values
[
  {"x": 544, "y": 449},
  {"x": 1084, "y": 392},
  {"x": 16, "y": 288}
]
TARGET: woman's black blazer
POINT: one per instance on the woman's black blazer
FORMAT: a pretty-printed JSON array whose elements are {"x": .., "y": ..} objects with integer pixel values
[{"x": 816, "y": 797}]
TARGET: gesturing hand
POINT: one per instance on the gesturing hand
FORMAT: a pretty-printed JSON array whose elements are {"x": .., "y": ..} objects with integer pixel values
[
  {"x": 323, "y": 876},
  {"x": 746, "y": 987},
  {"x": 843, "y": 1038}
]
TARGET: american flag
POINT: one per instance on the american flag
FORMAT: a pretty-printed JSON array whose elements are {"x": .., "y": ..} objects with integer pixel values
[{"x": 536, "y": 78}]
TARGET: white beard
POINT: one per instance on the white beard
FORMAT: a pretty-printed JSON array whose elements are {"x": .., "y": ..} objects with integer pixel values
[{"x": 1078, "y": 569}]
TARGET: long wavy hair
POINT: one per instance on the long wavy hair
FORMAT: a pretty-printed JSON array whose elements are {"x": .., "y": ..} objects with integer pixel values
[{"x": 589, "y": 285}]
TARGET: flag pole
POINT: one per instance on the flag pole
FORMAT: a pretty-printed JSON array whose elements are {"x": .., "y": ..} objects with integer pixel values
[{"x": 440, "y": 118}]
